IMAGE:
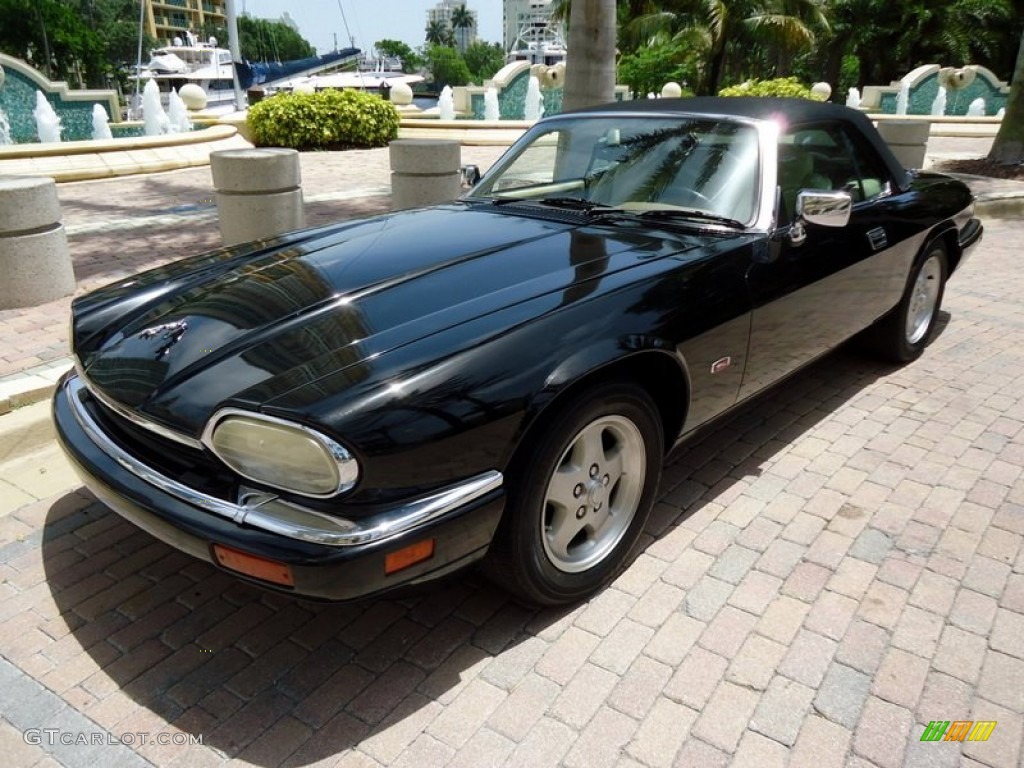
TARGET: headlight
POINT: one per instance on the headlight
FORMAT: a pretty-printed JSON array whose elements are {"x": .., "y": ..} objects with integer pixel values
[{"x": 280, "y": 454}]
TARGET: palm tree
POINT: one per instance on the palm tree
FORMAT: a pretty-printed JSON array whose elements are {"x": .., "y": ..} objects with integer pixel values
[
  {"x": 462, "y": 19},
  {"x": 774, "y": 28},
  {"x": 438, "y": 33},
  {"x": 590, "y": 65},
  {"x": 1008, "y": 146}
]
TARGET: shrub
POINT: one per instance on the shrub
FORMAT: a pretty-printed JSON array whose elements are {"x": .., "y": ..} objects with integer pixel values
[
  {"x": 328, "y": 119},
  {"x": 780, "y": 86}
]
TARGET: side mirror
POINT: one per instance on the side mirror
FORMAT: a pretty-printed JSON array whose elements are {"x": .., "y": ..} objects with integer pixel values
[
  {"x": 824, "y": 208},
  {"x": 821, "y": 207},
  {"x": 470, "y": 175}
]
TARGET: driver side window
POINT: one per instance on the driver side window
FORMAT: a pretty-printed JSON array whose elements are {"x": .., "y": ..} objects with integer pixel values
[{"x": 826, "y": 157}]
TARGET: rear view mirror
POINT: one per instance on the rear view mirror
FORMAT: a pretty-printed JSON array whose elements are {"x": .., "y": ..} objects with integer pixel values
[{"x": 470, "y": 175}]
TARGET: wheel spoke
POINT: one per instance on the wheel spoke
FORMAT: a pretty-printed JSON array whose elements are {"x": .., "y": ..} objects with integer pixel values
[
  {"x": 614, "y": 467},
  {"x": 561, "y": 489},
  {"x": 563, "y": 529},
  {"x": 593, "y": 448}
]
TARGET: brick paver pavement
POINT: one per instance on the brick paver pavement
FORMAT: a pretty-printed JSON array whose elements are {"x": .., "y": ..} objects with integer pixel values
[{"x": 824, "y": 574}]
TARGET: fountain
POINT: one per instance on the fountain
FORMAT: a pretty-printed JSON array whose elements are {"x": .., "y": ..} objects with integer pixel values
[
  {"x": 939, "y": 105},
  {"x": 976, "y": 108},
  {"x": 853, "y": 98},
  {"x": 178, "y": 114},
  {"x": 491, "y": 109},
  {"x": 100, "y": 127},
  {"x": 903, "y": 98},
  {"x": 153, "y": 116},
  {"x": 36, "y": 112},
  {"x": 446, "y": 104},
  {"x": 47, "y": 122},
  {"x": 534, "y": 107},
  {"x": 5, "y": 129}
]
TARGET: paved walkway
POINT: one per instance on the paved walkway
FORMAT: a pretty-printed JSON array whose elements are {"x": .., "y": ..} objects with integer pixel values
[{"x": 825, "y": 574}]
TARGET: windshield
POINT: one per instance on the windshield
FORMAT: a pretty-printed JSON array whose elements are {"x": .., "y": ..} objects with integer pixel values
[{"x": 635, "y": 164}]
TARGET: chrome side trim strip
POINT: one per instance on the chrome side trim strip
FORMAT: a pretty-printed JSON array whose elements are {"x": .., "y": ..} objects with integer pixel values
[{"x": 275, "y": 515}]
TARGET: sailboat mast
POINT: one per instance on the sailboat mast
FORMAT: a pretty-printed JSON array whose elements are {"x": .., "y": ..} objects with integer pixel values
[{"x": 236, "y": 52}]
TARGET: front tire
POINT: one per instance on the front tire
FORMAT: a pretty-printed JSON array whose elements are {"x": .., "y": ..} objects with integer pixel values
[
  {"x": 580, "y": 496},
  {"x": 902, "y": 335}
]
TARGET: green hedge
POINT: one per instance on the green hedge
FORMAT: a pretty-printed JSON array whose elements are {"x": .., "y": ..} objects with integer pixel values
[
  {"x": 780, "y": 86},
  {"x": 330, "y": 119}
]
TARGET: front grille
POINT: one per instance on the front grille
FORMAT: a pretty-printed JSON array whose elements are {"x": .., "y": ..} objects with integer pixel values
[{"x": 193, "y": 467}]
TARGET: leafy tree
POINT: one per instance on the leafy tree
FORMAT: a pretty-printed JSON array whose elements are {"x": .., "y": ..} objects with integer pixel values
[
  {"x": 590, "y": 68},
  {"x": 1008, "y": 146},
  {"x": 83, "y": 41},
  {"x": 650, "y": 67},
  {"x": 483, "y": 60},
  {"x": 889, "y": 39},
  {"x": 739, "y": 38},
  {"x": 263, "y": 40},
  {"x": 447, "y": 66},
  {"x": 396, "y": 49}
]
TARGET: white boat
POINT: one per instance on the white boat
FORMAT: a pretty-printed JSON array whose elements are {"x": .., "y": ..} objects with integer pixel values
[
  {"x": 209, "y": 67},
  {"x": 369, "y": 76},
  {"x": 539, "y": 39},
  {"x": 203, "y": 64}
]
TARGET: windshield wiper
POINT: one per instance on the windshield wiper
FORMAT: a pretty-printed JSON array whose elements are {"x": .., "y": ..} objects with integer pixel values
[
  {"x": 574, "y": 203},
  {"x": 673, "y": 213}
]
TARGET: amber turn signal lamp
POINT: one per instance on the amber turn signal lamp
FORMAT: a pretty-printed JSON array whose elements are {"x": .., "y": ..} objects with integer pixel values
[
  {"x": 406, "y": 556},
  {"x": 257, "y": 567}
]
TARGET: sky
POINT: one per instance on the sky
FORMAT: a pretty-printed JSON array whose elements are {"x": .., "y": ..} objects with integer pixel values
[{"x": 368, "y": 20}]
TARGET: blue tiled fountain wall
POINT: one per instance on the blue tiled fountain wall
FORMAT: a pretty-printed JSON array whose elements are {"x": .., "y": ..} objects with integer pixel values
[
  {"x": 923, "y": 94},
  {"x": 512, "y": 99},
  {"x": 18, "y": 100}
]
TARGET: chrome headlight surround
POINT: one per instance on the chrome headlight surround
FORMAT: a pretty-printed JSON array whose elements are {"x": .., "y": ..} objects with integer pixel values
[{"x": 339, "y": 468}]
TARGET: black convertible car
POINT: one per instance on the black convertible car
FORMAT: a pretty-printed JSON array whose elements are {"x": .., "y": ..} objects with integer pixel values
[{"x": 343, "y": 410}]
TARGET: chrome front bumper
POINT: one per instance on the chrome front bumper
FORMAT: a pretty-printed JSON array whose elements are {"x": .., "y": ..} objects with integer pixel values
[{"x": 270, "y": 513}]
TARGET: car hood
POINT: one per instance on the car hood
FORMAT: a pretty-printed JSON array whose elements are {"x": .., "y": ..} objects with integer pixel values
[{"x": 243, "y": 326}]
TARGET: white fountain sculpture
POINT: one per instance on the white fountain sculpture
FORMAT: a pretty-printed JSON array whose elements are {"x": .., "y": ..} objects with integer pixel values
[
  {"x": 976, "y": 108},
  {"x": 903, "y": 98},
  {"x": 100, "y": 126},
  {"x": 1001, "y": 113},
  {"x": 491, "y": 109},
  {"x": 534, "y": 107},
  {"x": 177, "y": 113},
  {"x": 939, "y": 104},
  {"x": 154, "y": 118},
  {"x": 5, "y": 129},
  {"x": 446, "y": 104},
  {"x": 853, "y": 98},
  {"x": 47, "y": 122}
]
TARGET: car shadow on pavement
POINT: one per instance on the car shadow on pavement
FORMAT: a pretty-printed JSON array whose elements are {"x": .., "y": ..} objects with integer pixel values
[{"x": 275, "y": 680}]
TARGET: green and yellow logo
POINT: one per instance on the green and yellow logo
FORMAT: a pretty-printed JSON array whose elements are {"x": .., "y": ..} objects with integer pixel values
[{"x": 958, "y": 730}]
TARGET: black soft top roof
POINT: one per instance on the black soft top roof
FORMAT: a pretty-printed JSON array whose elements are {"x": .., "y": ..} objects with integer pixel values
[{"x": 790, "y": 112}]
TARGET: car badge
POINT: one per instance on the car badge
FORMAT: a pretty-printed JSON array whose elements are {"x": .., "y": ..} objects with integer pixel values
[
  {"x": 169, "y": 333},
  {"x": 721, "y": 364}
]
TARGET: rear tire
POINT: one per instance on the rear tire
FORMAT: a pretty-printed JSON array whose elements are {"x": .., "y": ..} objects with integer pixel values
[
  {"x": 579, "y": 496},
  {"x": 902, "y": 335}
]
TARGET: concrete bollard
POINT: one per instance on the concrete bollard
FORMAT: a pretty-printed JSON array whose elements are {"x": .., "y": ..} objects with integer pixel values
[
  {"x": 35, "y": 264},
  {"x": 259, "y": 193},
  {"x": 424, "y": 172},
  {"x": 908, "y": 140}
]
